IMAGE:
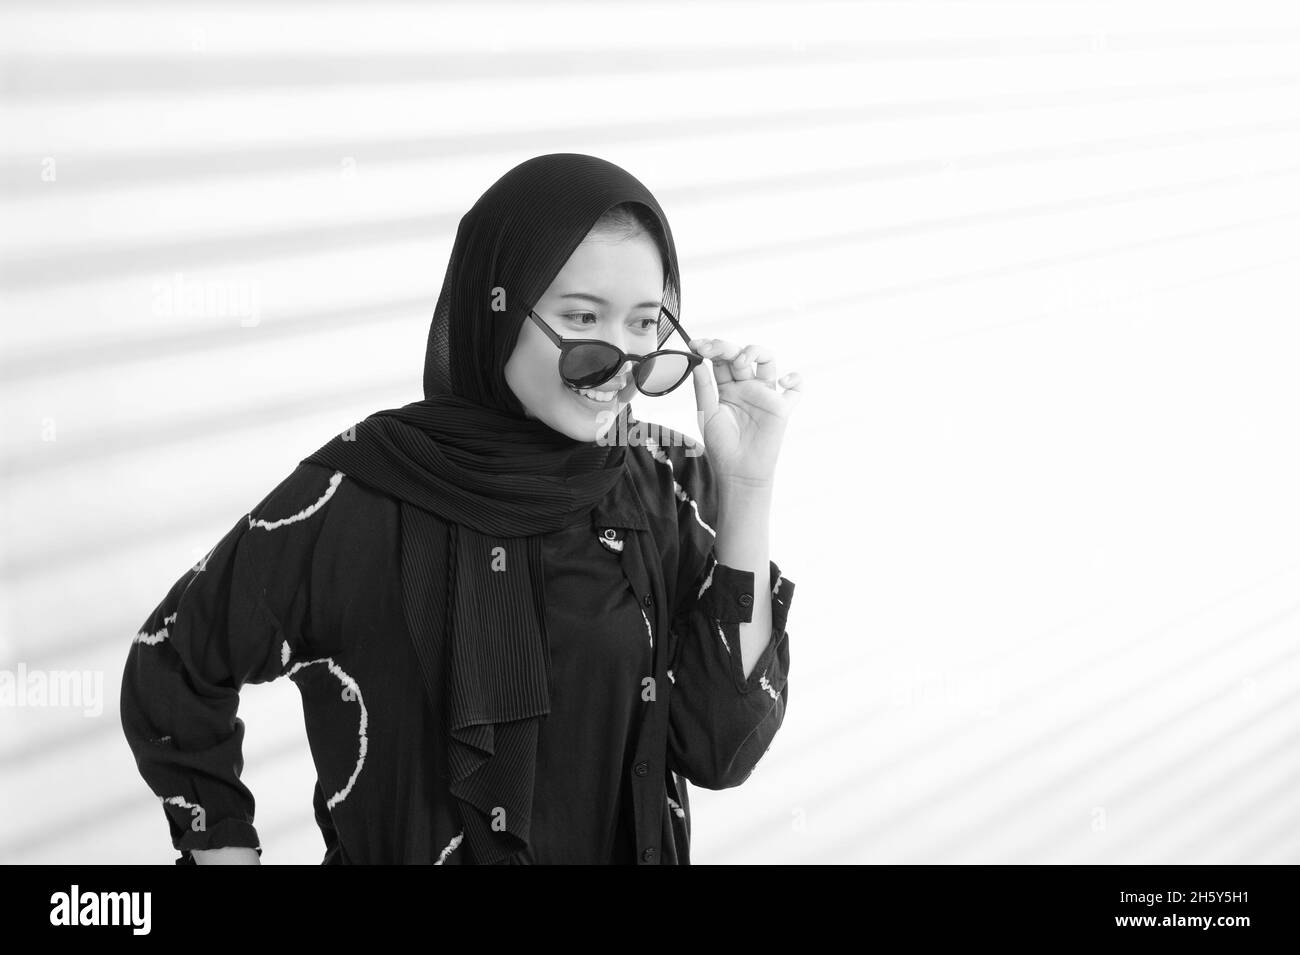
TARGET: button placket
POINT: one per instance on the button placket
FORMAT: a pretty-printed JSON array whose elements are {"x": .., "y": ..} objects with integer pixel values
[{"x": 647, "y": 799}]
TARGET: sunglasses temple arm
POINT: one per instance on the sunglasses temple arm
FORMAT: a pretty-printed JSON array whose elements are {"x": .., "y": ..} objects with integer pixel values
[
  {"x": 550, "y": 332},
  {"x": 677, "y": 325}
]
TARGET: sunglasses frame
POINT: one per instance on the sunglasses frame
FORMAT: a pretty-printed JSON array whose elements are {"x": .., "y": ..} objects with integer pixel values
[{"x": 567, "y": 345}]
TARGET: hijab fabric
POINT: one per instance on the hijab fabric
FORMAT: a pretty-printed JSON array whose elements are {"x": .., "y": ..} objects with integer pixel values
[{"x": 478, "y": 483}]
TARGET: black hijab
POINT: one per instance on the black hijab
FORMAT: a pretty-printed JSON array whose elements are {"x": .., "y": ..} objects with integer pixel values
[{"x": 478, "y": 481}]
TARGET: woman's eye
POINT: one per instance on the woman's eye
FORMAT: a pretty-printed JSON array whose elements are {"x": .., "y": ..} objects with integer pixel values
[{"x": 645, "y": 324}]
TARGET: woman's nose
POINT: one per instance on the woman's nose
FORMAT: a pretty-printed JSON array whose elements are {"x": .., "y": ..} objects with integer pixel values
[
  {"x": 626, "y": 369},
  {"x": 623, "y": 346}
]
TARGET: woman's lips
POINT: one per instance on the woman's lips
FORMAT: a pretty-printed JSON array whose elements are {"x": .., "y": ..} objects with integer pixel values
[{"x": 619, "y": 396}]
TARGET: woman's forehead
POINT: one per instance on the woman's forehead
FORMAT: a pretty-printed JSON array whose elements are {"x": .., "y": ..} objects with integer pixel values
[{"x": 625, "y": 272}]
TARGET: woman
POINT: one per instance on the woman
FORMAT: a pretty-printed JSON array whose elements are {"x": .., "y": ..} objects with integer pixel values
[{"x": 520, "y": 620}]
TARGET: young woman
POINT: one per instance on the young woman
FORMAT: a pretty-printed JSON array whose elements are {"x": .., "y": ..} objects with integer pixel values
[{"x": 520, "y": 619}]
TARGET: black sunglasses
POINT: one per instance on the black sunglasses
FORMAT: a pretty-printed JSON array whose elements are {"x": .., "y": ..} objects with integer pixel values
[{"x": 588, "y": 362}]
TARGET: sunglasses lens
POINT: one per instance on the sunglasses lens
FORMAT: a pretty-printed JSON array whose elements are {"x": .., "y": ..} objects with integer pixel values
[
  {"x": 662, "y": 373},
  {"x": 589, "y": 365}
]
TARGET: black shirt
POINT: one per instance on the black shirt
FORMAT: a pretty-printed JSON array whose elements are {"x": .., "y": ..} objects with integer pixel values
[
  {"x": 599, "y": 655},
  {"x": 307, "y": 585}
]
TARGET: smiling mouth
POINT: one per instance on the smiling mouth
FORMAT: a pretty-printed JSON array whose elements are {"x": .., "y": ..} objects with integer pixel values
[{"x": 602, "y": 396}]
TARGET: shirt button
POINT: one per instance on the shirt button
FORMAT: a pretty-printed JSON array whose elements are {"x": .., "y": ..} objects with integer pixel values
[
  {"x": 610, "y": 533},
  {"x": 641, "y": 768},
  {"x": 647, "y": 601},
  {"x": 647, "y": 855},
  {"x": 745, "y": 600}
]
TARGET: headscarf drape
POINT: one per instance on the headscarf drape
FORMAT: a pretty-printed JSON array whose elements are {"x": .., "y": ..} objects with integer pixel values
[{"x": 478, "y": 483}]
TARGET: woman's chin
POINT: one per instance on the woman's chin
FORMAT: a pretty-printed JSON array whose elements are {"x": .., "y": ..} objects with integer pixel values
[
  {"x": 591, "y": 421},
  {"x": 579, "y": 418}
]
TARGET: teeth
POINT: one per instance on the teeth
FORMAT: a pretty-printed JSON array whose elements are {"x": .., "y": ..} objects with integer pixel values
[{"x": 601, "y": 396}]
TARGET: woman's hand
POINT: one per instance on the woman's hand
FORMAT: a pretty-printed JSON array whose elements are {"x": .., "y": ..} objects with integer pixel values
[
  {"x": 229, "y": 855},
  {"x": 743, "y": 418}
]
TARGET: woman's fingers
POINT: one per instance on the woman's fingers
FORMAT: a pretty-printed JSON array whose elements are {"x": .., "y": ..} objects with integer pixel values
[
  {"x": 730, "y": 362},
  {"x": 733, "y": 363},
  {"x": 793, "y": 385},
  {"x": 765, "y": 361},
  {"x": 716, "y": 351},
  {"x": 726, "y": 356},
  {"x": 706, "y": 392}
]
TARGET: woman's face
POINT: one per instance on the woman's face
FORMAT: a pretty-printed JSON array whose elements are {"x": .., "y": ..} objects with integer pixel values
[{"x": 610, "y": 289}]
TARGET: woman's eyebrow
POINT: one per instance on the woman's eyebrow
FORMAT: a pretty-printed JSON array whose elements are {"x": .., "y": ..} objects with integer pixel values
[{"x": 600, "y": 301}]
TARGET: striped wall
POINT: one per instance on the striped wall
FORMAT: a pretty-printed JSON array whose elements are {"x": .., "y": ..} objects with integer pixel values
[{"x": 1036, "y": 261}]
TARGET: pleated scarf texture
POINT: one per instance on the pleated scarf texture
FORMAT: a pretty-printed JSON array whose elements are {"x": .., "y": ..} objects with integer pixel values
[{"x": 478, "y": 483}]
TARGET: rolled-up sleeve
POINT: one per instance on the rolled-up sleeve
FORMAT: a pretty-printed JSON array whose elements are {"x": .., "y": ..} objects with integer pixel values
[{"x": 721, "y": 721}]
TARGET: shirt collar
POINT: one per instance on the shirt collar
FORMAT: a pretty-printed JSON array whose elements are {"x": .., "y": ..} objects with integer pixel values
[{"x": 621, "y": 507}]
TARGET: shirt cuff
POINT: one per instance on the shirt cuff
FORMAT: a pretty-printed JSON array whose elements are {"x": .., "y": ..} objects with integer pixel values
[
  {"x": 729, "y": 594},
  {"x": 225, "y": 834},
  {"x": 729, "y": 600}
]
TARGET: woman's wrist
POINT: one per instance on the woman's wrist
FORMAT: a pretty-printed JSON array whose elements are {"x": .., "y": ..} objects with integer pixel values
[{"x": 227, "y": 855}]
